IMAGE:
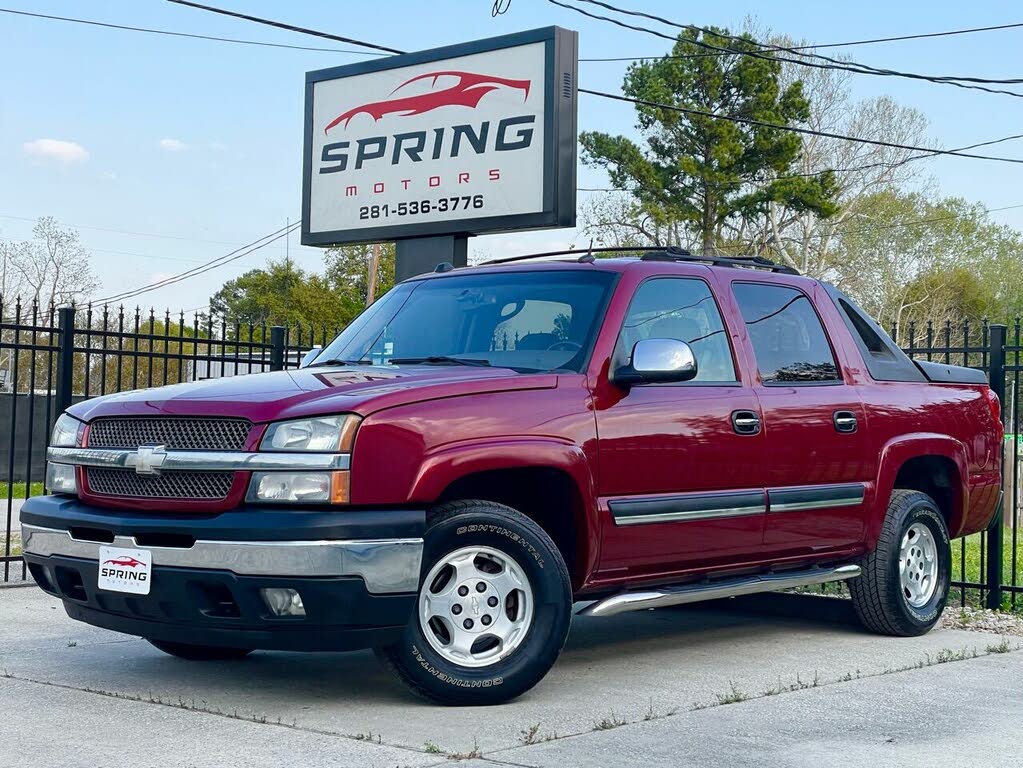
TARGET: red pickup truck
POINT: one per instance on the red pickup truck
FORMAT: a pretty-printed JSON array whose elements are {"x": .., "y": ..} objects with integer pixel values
[{"x": 483, "y": 447}]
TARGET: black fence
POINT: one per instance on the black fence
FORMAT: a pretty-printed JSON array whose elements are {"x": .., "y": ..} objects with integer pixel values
[{"x": 50, "y": 358}]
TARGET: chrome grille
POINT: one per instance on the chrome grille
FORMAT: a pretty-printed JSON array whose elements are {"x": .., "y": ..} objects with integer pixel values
[
  {"x": 171, "y": 485},
  {"x": 181, "y": 433}
]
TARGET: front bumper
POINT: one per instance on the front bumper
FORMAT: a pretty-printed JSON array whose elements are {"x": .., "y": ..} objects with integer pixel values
[{"x": 356, "y": 570}]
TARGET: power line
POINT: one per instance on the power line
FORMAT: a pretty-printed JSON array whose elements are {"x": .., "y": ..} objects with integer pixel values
[
  {"x": 238, "y": 253},
  {"x": 798, "y": 50},
  {"x": 971, "y": 83},
  {"x": 289, "y": 27},
  {"x": 932, "y": 220},
  {"x": 806, "y": 131},
  {"x": 169, "y": 33},
  {"x": 125, "y": 231}
]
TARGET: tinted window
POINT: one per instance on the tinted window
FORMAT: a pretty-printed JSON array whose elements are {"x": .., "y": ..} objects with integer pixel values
[
  {"x": 871, "y": 339},
  {"x": 683, "y": 309},
  {"x": 786, "y": 334},
  {"x": 543, "y": 320}
]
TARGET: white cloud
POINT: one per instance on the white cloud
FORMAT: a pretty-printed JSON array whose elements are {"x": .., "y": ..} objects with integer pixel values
[
  {"x": 108, "y": 175},
  {"x": 63, "y": 151},
  {"x": 173, "y": 145}
]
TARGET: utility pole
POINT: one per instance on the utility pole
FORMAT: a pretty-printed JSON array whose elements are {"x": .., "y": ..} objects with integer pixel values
[{"x": 371, "y": 283}]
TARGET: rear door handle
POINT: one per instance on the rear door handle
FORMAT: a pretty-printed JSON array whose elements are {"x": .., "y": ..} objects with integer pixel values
[
  {"x": 845, "y": 421},
  {"x": 746, "y": 422}
]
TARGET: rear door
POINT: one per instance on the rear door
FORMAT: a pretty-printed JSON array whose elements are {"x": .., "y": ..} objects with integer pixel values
[
  {"x": 679, "y": 486},
  {"x": 815, "y": 430}
]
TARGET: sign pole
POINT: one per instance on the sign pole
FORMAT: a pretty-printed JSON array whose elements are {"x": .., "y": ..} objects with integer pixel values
[{"x": 418, "y": 255}]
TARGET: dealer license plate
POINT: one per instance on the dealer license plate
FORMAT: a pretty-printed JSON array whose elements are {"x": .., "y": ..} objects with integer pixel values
[{"x": 125, "y": 570}]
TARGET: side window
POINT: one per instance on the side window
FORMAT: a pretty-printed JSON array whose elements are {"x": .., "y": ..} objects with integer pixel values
[
  {"x": 787, "y": 336},
  {"x": 684, "y": 309},
  {"x": 871, "y": 339}
]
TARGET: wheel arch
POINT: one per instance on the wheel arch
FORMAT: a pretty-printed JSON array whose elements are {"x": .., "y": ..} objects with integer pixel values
[
  {"x": 546, "y": 480},
  {"x": 930, "y": 463}
]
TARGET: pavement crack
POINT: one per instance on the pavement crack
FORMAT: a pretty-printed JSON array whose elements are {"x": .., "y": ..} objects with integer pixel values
[
  {"x": 736, "y": 697},
  {"x": 201, "y": 708}
]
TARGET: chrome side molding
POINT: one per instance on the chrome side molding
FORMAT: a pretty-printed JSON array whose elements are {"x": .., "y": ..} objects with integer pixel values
[{"x": 694, "y": 593}]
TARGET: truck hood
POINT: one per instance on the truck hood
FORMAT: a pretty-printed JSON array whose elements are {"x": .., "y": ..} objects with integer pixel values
[{"x": 312, "y": 391}]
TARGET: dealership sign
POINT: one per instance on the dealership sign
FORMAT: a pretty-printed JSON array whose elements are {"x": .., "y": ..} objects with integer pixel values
[{"x": 471, "y": 138}]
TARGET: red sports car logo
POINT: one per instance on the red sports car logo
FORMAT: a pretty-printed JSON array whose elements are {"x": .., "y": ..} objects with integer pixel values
[
  {"x": 124, "y": 561},
  {"x": 467, "y": 92}
]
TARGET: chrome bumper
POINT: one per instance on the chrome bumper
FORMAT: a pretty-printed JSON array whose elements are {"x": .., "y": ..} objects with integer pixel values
[{"x": 386, "y": 565}]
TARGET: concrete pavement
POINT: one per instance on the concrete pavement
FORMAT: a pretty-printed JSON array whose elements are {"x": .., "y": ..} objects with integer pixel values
[{"x": 640, "y": 689}]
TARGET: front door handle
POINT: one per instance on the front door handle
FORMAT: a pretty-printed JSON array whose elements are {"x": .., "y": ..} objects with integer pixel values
[
  {"x": 746, "y": 422},
  {"x": 845, "y": 421}
]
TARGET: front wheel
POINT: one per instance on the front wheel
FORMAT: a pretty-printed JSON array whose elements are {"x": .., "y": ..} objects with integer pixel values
[
  {"x": 199, "y": 652},
  {"x": 493, "y": 609},
  {"x": 906, "y": 578}
]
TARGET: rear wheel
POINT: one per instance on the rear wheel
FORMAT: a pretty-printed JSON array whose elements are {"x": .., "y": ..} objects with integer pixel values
[
  {"x": 493, "y": 609},
  {"x": 199, "y": 652},
  {"x": 905, "y": 579}
]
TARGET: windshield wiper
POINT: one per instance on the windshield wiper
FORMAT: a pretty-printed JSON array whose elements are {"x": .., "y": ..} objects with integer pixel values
[
  {"x": 439, "y": 360},
  {"x": 338, "y": 361}
]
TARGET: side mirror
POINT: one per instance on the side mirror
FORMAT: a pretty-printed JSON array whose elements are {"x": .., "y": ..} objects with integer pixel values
[
  {"x": 657, "y": 361},
  {"x": 309, "y": 356}
]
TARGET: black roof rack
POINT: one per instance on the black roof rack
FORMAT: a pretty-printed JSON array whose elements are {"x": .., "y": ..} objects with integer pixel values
[
  {"x": 657, "y": 253},
  {"x": 582, "y": 255},
  {"x": 750, "y": 262}
]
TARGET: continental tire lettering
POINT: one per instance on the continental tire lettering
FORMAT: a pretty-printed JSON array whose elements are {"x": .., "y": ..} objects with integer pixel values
[
  {"x": 456, "y": 681},
  {"x": 502, "y": 531}
]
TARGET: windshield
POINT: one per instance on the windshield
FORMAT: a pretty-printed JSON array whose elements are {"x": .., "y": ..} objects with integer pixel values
[{"x": 530, "y": 321}]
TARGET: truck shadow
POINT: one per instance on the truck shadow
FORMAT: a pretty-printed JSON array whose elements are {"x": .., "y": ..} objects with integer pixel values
[{"x": 645, "y": 640}]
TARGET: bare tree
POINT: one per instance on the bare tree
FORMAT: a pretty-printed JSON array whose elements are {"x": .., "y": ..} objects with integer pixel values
[
  {"x": 614, "y": 220},
  {"x": 52, "y": 267},
  {"x": 802, "y": 239}
]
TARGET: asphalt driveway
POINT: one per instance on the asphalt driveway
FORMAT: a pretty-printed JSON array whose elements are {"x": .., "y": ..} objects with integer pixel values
[{"x": 686, "y": 686}]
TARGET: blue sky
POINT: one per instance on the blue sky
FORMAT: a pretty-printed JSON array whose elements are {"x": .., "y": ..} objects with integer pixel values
[{"x": 202, "y": 140}]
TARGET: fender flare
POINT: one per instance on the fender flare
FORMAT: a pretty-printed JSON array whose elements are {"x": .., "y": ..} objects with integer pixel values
[
  {"x": 454, "y": 461},
  {"x": 896, "y": 452}
]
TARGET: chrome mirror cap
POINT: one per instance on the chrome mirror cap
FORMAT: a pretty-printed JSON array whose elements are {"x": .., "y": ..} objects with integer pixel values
[
  {"x": 657, "y": 361},
  {"x": 309, "y": 356}
]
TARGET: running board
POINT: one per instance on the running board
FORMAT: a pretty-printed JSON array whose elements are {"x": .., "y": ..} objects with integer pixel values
[{"x": 693, "y": 593}]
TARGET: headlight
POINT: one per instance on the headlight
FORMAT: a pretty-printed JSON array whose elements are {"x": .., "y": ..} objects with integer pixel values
[
  {"x": 65, "y": 431},
  {"x": 60, "y": 478},
  {"x": 299, "y": 487},
  {"x": 327, "y": 434}
]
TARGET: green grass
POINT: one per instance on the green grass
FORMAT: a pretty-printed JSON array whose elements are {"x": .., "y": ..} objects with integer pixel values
[
  {"x": 966, "y": 565},
  {"x": 36, "y": 489},
  {"x": 15, "y": 545}
]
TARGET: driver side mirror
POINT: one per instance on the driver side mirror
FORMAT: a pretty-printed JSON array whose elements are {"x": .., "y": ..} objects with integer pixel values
[
  {"x": 657, "y": 361},
  {"x": 309, "y": 356}
]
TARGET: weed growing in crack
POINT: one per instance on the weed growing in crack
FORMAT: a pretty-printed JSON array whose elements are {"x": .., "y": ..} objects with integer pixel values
[
  {"x": 1002, "y": 647},
  {"x": 472, "y": 754},
  {"x": 530, "y": 735},
  {"x": 733, "y": 696},
  {"x": 608, "y": 723}
]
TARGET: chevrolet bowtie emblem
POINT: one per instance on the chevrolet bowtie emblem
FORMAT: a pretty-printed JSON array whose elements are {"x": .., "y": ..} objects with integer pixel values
[{"x": 149, "y": 459}]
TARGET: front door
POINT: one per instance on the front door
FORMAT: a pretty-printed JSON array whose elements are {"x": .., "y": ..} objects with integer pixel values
[
  {"x": 680, "y": 478},
  {"x": 815, "y": 431}
]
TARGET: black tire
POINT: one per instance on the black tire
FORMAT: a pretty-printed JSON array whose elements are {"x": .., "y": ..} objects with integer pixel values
[
  {"x": 199, "y": 652},
  {"x": 878, "y": 596},
  {"x": 468, "y": 523}
]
